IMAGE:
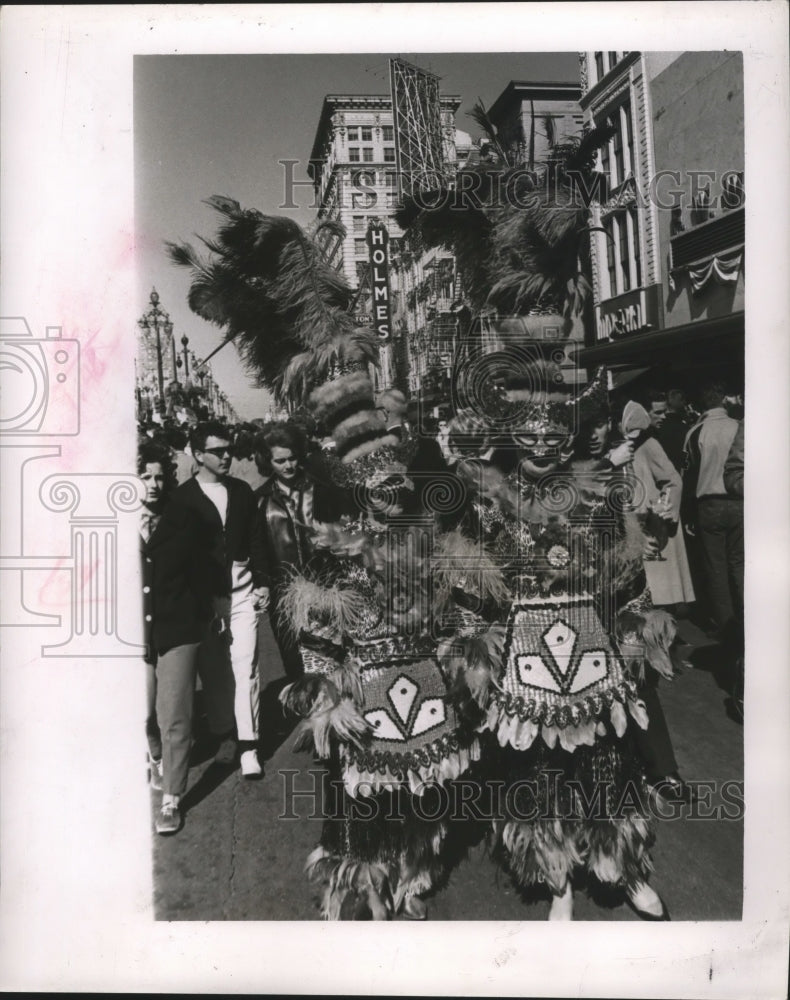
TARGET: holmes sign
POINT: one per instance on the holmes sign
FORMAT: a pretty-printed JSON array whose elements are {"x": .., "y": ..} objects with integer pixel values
[{"x": 378, "y": 238}]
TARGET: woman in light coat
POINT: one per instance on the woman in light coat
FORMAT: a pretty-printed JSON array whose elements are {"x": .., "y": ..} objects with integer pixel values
[{"x": 668, "y": 577}]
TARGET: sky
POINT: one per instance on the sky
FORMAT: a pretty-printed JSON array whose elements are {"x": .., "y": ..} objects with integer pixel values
[{"x": 220, "y": 124}]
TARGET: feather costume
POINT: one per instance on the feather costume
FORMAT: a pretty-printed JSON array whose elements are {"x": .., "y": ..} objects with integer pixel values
[
  {"x": 555, "y": 673},
  {"x": 373, "y": 700}
]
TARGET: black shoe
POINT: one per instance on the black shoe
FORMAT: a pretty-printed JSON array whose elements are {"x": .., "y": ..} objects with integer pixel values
[{"x": 671, "y": 789}]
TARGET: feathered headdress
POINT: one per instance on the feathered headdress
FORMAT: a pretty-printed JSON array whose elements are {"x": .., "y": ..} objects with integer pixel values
[
  {"x": 544, "y": 402},
  {"x": 268, "y": 286}
]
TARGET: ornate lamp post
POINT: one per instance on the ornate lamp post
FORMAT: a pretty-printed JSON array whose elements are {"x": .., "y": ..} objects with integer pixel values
[
  {"x": 158, "y": 320},
  {"x": 176, "y": 360},
  {"x": 185, "y": 352}
]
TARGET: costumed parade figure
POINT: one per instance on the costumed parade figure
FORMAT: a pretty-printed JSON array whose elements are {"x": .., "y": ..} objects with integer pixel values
[
  {"x": 373, "y": 696},
  {"x": 553, "y": 672}
]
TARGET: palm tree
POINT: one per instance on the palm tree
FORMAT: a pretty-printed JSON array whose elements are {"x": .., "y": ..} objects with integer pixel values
[
  {"x": 522, "y": 240},
  {"x": 541, "y": 250}
]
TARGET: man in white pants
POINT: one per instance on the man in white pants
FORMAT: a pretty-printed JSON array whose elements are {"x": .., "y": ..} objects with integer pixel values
[{"x": 227, "y": 659}]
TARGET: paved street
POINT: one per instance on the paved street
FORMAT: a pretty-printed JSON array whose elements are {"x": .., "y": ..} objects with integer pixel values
[{"x": 235, "y": 860}]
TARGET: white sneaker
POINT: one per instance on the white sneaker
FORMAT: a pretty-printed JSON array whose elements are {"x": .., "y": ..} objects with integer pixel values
[
  {"x": 250, "y": 766},
  {"x": 168, "y": 819}
]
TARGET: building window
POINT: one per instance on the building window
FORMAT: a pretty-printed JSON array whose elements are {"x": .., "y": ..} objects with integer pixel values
[
  {"x": 361, "y": 267},
  {"x": 623, "y": 251},
  {"x": 618, "y": 156},
  {"x": 391, "y": 179},
  {"x": 388, "y": 133},
  {"x": 353, "y": 154},
  {"x": 353, "y": 134},
  {"x": 599, "y": 71},
  {"x": 367, "y": 135},
  {"x": 367, "y": 154},
  {"x": 360, "y": 248},
  {"x": 359, "y": 223},
  {"x": 605, "y": 62},
  {"x": 636, "y": 244},
  {"x": 618, "y": 176},
  {"x": 389, "y": 154},
  {"x": 623, "y": 255}
]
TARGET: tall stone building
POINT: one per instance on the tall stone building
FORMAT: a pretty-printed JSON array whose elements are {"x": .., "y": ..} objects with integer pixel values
[
  {"x": 354, "y": 171},
  {"x": 668, "y": 261}
]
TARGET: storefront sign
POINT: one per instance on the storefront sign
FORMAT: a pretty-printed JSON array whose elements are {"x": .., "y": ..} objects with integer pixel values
[
  {"x": 378, "y": 239},
  {"x": 630, "y": 313}
]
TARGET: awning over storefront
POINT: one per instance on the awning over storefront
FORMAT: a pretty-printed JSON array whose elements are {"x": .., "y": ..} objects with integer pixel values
[{"x": 712, "y": 341}]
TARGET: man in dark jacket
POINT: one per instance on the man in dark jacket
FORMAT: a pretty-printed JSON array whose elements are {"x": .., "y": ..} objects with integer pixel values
[{"x": 227, "y": 660}]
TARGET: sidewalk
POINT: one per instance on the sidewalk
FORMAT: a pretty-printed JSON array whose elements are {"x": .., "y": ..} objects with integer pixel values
[{"x": 235, "y": 859}]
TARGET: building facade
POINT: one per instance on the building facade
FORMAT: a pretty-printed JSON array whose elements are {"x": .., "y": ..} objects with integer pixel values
[
  {"x": 668, "y": 251},
  {"x": 355, "y": 175},
  {"x": 529, "y": 118},
  {"x": 532, "y": 116},
  {"x": 354, "y": 171}
]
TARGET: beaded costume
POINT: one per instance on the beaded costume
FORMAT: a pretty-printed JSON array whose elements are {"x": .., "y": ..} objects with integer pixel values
[{"x": 557, "y": 690}]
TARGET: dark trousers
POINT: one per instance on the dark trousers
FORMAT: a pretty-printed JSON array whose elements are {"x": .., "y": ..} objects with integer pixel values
[
  {"x": 720, "y": 524},
  {"x": 654, "y": 743}
]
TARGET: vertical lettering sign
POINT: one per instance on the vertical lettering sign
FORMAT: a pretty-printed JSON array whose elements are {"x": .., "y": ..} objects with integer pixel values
[{"x": 378, "y": 239}]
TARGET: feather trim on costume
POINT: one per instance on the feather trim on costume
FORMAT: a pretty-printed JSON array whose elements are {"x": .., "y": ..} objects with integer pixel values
[
  {"x": 366, "y": 781},
  {"x": 346, "y": 679},
  {"x": 302, "y": 695},
  {"x": 646, "y": 636},
  {"x": 328, "y": 612},
  {"x": 340, "y": 719},
  {"x": 350, "y": 887},
  {"x": 618, "y": 850},
  {"x": 518, "y": 724},
  {"x": 462, "y": 563},
  {"x": 474, "y": 661},
  {"x": 628, "y": 555},
  {"x": 543, "y": 850}
]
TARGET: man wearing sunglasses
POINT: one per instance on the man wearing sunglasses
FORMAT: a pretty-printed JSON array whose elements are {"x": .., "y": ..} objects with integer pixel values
[{"x": 227, "y": 659}]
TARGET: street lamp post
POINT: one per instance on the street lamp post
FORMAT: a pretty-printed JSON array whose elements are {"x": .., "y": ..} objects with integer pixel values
[
  {"x": 185, "y": 345},
  {"x": 175, "y": 357},
  {"x": 158, "y": 320}
]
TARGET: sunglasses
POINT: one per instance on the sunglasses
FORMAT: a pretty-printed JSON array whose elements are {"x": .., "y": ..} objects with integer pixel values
[{"x": 218, "y": 452}]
